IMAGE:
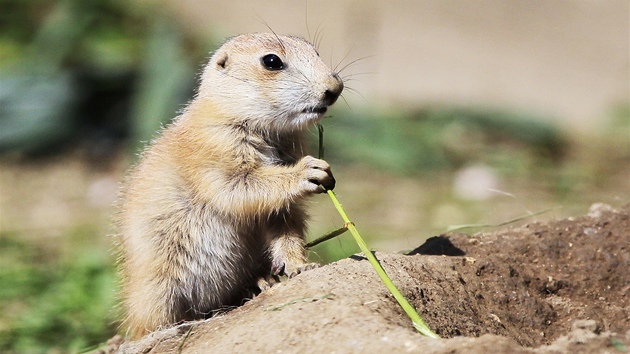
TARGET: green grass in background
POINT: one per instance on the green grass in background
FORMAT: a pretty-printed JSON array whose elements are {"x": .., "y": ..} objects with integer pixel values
[
  {"x": 439, "y": 137},
  {"x": 54, "y": 301}
]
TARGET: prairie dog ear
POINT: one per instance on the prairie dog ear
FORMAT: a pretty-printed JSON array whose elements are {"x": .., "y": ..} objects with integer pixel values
[{"x": 222, "y": 60}]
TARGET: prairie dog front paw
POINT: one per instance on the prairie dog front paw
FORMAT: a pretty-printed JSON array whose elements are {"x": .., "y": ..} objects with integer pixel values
[{"x": 315, "y": 173}]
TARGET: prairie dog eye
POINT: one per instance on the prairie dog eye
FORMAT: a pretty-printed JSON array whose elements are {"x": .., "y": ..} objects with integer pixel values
[{"x": 272, "y": 62}]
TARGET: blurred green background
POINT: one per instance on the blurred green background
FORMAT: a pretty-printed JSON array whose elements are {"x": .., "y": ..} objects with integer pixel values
[{"x": 85, "y": 83}]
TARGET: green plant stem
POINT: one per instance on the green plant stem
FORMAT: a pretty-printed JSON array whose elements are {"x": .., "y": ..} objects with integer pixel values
[
  {"x": 327, "y": 237},
  {"x": 418, "y": 323}
]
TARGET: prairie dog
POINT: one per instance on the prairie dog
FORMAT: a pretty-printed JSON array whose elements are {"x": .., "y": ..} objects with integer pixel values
[{"x": 214, "y": 208}]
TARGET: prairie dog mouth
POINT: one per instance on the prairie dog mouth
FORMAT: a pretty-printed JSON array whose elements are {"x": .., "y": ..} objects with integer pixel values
[{"x": 318, "y": 110}]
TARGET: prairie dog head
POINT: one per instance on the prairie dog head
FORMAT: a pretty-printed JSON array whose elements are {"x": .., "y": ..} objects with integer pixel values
[{"x": 269, "y": 82}]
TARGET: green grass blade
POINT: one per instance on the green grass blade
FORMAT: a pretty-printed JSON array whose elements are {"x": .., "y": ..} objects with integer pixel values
[
  {"x": 453, "y": 228},
  {"x": 418, "y": 322}
]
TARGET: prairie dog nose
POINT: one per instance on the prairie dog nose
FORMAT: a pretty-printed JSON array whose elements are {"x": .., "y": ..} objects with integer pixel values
[{"x": 335, "y": 86}]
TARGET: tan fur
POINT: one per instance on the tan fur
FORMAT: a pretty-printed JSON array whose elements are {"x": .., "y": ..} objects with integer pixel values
[{"x": 214, "y": 205}]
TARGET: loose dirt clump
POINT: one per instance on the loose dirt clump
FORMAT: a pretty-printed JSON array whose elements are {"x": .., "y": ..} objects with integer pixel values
[{"x": 547, "y": 287}]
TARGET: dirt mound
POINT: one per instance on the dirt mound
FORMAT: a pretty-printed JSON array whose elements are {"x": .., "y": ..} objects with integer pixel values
[{"x": 550, "y": 287}]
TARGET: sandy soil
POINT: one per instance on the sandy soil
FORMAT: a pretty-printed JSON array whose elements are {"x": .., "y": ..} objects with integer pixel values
[{"x": 548, "y": 287}]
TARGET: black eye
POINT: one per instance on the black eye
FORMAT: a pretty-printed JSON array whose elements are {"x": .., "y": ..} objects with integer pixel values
[{"x": 272, "y": 62}]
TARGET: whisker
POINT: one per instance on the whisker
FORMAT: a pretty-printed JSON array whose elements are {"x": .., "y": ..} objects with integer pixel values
[
  {"x": 344, "y": 77},
  {"x": 346, "y": 102},
  {"x": 356, "y": 92},
  {"x": 351, "y": 80},
  {"x": 354, "y": 62},
  {"x": 319, "y": 35},
  {"x": 260, "y": 19},
  {"x": 308, "y": 32},
  {"x": 344, "y": 58}
]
